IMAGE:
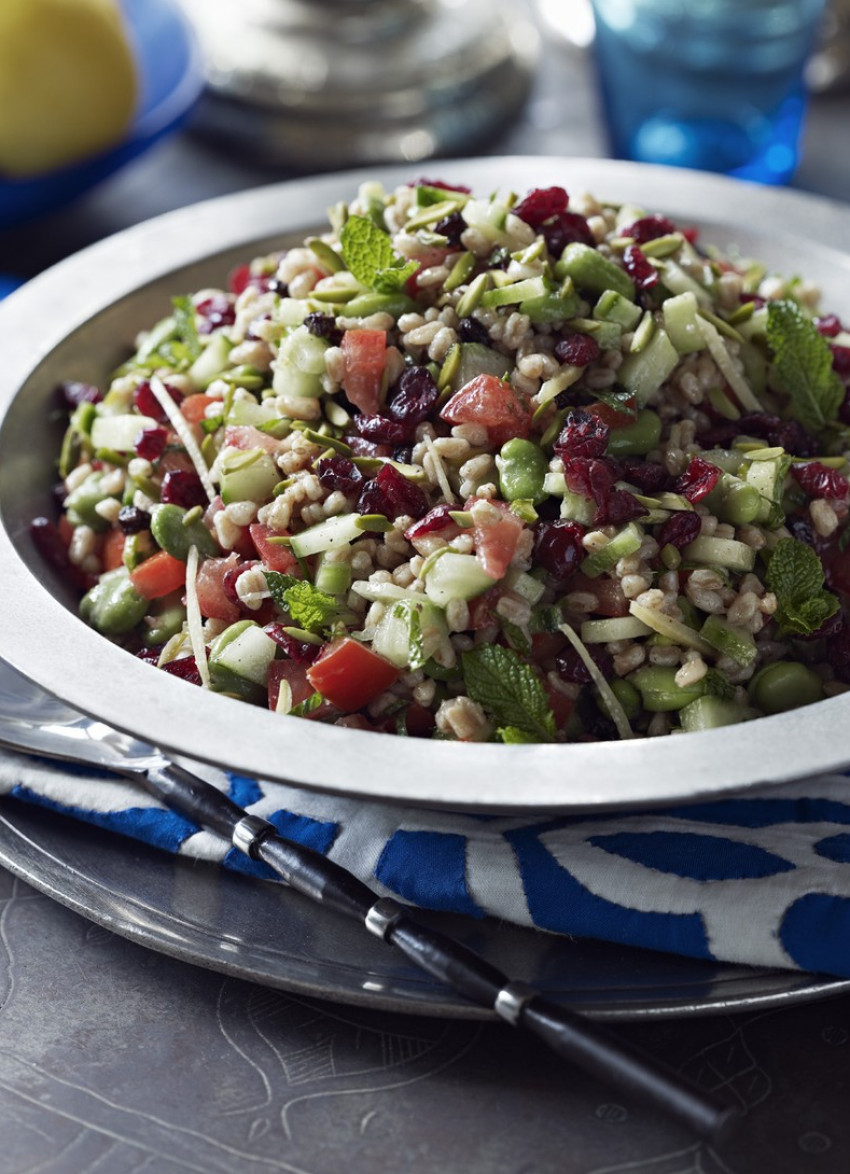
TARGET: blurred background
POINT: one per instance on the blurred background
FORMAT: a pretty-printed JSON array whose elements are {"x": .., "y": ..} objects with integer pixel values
[{"x": 228, "y": 96}]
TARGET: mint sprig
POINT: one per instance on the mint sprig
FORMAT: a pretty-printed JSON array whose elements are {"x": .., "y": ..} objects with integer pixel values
[
  {"x": 507, "y": 687},
  {"x": 311, "y": 609},
  {"x": 802, "y": 365},
  {"x": 369, "y": 256},
  {"x": 796, "y": 578}
]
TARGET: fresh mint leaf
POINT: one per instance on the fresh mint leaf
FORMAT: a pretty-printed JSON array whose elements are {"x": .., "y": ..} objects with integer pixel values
[
  {"x": 311, "y": 609},
  {"x": 796, "y": 578},
  {"x": 369, "y": 255},
  {"x": 802, "y": 364},
  {"x": 184, "y": 325},
  {"x": 307, "y": 706},
  {"x": 508, "y": 688},
  {"x": 513, "y": 736},
  {"x": 517, "y": 638},
  {"x": 716, "y": 685}
]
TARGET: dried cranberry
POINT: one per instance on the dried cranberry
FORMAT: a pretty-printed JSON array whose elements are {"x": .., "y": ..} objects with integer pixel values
[
  {"x": 48, "y": 543},
  {"x": 841, "y": 361},
  {"x": 680, "y": 529},
  {"x": 149, "y": 405},
  {"x": 324, "y": 326},
  {"x": 361, "y": 447},
  {"x": 242, "y": 277},
  {"x": 619, "y": 507},
  {"x": 577, "y": 349},
  {"x": 583, "y": 435},
  {"x": 642, "y": 273},
  {"x": 829, "y": 325},
  {"x": 180, "y": 487},
  {"x": 648, "y": 228},
  {"x": 73, "y": 393},
  {"x": 437, "y": 519},
  {"x": 383, "y": 430},
  {"x": 564, "y": 229},
  {"x": 787, "y": 434},
  {"x": 471, "y": 330},
  {"x": 185, "y": 667},
  {"x": 391, "y": 494},
  {"x": 541, "y": 204},
  {"x": 215, "y": 311},
  {"x": 149, "y": 655},
  {"x": 151, "y": 443},
  {"x": 571, "y": 667},
  {"x": 698, "y": 480},
  {"x": 416, "y": 395},
  {"x": 451, "y": 227},
  {"x": 558, "y": 548},
  {"x": 230, "y": 577},
  {"x": 818, "y": 480},
  {"x": 132, "y": 520},
  {"x": 339, "y": 474},
  {"x": 301, "y": 651},
  {"x": 801, "y": 528},
  {"x": 590, "y": 477},
  {"x": 646, "y": 475}
]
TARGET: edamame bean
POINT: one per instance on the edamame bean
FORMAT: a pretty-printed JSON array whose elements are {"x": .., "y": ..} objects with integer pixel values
[
  {"x": 522, "y": 469},
  {"x": 167, "y": 624},
  {"x": 638, "y": 438},
  {"x": 626, "y": 694},
  {"x": 784, "y": 685},
  {"x": 740, "y": 504},
  {"x": 174, "y": 537},
  {"x": 659, "y": 691},
  {"x": 113, "y": 605}
]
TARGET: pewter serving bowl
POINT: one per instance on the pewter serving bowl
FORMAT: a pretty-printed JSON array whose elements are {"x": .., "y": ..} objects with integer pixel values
[{"x": 78, "y": 321}]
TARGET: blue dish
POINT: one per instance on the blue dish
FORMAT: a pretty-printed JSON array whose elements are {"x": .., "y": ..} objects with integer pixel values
[{"x": 170, "y": 81}]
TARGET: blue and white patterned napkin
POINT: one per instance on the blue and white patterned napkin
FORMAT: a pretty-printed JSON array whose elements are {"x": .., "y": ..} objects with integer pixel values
[{"x": 761, "y": 880}]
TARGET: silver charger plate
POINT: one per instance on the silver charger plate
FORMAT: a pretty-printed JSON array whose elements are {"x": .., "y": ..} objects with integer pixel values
[
  {"x": 78, "y": 321},
  {"x": 264, "y": 933}
]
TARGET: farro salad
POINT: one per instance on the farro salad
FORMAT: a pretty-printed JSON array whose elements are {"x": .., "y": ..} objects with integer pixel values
[{"x": 511, "y": 468}]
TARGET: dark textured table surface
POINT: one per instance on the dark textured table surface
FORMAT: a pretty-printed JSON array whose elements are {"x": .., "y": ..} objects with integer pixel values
[{"x": 116, "y": 1059}]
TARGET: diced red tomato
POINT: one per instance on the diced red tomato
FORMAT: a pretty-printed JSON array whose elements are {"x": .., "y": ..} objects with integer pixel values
[
  {"x": 482, "y": 609},
  {"x": 365, "y": 355},
  {"x": 159, "y": 575},
  {"x": 496, "y": 541},
  {"x": 490, "y": 401},
  {"x": 562, "y": 707},
  {"x": 112, "y": 550},
  {"x": 350, "y": 675},
  {"x": 213, "y": 601},
  {"x": 194, "y": 408},
  {"x": 275, "y": 556},
  {"x": 246, "y": 436},
  {"x": 295, "y": 676},
  {"x": 609, "y": 415}
]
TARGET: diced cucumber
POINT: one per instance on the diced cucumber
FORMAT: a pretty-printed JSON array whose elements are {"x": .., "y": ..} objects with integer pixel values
[
  {"x": 489, "y": 217},
  {"x": 410, "y": 632},
  {"x": 681, "y": 324},
  {"x": 334, "y": 578},
  {"x": 642, "y": 374},
  {"x": 674, "y": 278},
  {"x": 721, "y": 552},
  {"x": 670, "y": 628},
  {"x": 767, "y": 477},
  {"x": 613, "y": 307},
  {"x": 617, "y": 628},
  {"x": 300, "y": 364},
  {"x": 709, "y": 713},
  {"x": 626, "y": 542},
  {"x": 248, "y": 411},
  {"x": 334, "y": 532},
  {"x": 119, "y": 433},
  {"x": 247, "y": 475},
  {"x": 448, "y": 575},
  {"x": 239, "y": 659},
  {"x": 592, "y": 272},
  {"x": 516, "y": 291},
  {"x": 606, "y": 334},
  {"x": 524, "y": 585},
  {"x": 211, "y": 361},
  {"x": 552, "y": 307},
  {"x": 469, "y": 359},
  {"x": 730, "y": 641}
]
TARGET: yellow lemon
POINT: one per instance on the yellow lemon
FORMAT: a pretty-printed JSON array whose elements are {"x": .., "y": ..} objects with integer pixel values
[{"x": 68, "y": 82}]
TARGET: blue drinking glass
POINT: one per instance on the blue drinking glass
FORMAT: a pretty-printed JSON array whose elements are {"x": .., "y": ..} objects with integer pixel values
[{"x": 715, "y": 85}]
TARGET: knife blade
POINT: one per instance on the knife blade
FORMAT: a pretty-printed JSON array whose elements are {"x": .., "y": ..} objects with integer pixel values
[{"x": 32, "y": 721}]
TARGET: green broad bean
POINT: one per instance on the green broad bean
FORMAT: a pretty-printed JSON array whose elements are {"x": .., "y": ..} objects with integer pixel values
[
  {"x": 522, "y": 469},
  {"x": 638, "y": 438},
  {"x": 784, "y": 685},
  {"x": 113, "y": 605},
  {"x": 175, "y": 537},
  {"x": 740, "y": 503},
  {"x": 166, "y": 624},
  {"x": 627, "y": 695},
  {"x": 659, "y": 691},
  {"x": 80, "y": 504}
]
